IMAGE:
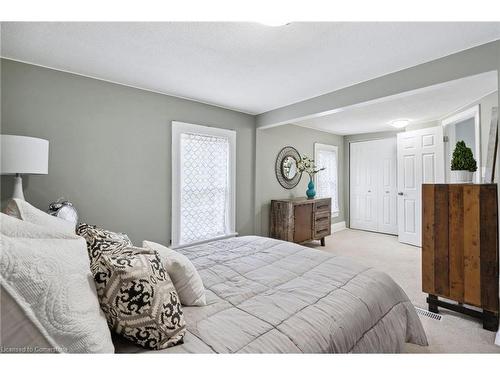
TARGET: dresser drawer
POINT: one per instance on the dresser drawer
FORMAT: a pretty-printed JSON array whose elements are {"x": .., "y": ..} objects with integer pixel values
[
  {"x": 321, "y": 219},
  {"x": 323, "y": 205},
  {"x": 322, "y": 232}
]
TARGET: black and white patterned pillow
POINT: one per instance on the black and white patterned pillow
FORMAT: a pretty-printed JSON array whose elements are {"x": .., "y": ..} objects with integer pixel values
[
  {"x": 138, "y": 298},
  {"x": 102, "y": 241}
]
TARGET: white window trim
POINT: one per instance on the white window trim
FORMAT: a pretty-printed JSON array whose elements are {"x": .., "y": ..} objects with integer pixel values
[
  {"x": 322, "y": 146},
  {"x": 179, "y": 128}
]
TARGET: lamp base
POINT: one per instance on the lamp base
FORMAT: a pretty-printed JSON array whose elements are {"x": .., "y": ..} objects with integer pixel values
[{"x": 18, "y": 187}]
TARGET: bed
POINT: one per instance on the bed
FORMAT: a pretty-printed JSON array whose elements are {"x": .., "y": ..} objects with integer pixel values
[{"x": 270, "y": 296}]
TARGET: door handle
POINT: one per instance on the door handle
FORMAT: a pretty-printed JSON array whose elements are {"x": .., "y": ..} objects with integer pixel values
[
  {"x": 400, "y": 193},
  {"x": 369, "y": 191}
]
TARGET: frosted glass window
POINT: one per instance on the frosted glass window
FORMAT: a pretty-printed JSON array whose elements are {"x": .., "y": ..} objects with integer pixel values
[
  {"x": 204, "y": 187},
  {"x": 327, "y": 180},
  {"x": 202, "y": 183}
]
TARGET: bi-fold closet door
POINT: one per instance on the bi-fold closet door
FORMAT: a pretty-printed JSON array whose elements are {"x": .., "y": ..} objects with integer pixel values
[{"x": 373, "y": 185}]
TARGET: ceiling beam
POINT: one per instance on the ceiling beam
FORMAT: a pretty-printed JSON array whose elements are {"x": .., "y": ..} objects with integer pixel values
[{"x": 476, "y": 60}]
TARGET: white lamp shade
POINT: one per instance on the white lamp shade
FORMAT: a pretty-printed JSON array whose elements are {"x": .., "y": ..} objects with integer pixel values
[{"x": 24, "y": 155}]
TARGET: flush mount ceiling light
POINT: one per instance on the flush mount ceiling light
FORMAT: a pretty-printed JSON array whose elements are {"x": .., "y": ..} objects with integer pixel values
[
  {"x": 400, "y": 123},
  {"x": 274, "y": 23}
]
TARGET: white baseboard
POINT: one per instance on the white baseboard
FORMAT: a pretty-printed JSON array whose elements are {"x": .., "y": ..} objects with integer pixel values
[{"x": 337, "y": 227}]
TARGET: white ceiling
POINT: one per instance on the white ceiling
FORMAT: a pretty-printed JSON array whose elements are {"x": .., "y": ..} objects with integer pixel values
[
  {"x": 419, "y": 106},
  {"x": 244, "y": 66}
]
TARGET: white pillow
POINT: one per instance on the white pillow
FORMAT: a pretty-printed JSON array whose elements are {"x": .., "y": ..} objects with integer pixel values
[
  {"x": 49, "y": 278},
  {"x": 21, "y": 209},
  {"x": 18, "y": 228},
  {"x": 186, "y": 279}
]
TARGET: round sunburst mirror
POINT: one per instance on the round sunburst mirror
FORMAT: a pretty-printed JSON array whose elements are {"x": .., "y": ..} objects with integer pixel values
[{"x": 286, "y": 169}]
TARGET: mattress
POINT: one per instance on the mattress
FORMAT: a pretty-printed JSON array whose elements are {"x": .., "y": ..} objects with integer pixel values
[{"x": 270, "y": 296}]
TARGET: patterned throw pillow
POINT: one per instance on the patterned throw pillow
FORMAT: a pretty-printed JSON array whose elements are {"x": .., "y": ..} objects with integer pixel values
[
  {"x": 138, "y": 297},
  {"x": 101, "y": 241}
]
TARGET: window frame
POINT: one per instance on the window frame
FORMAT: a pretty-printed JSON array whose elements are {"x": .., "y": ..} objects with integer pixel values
[
  {"x": 179, "y": 128},
  {"x": 323, "y": 146}
]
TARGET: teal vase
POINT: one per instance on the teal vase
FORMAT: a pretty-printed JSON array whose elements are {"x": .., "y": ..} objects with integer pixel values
[{"x": 311, "y": 193}]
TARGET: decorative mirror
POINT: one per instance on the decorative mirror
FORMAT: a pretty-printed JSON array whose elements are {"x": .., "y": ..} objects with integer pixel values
[
  {"x": 463, "y": 126},
  {"x": 286, "y": 167}
]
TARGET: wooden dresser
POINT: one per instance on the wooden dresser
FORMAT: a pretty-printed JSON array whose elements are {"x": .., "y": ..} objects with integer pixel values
[
  {"x": 460, "y": 249},
  {"x": 301, "y": 220}
]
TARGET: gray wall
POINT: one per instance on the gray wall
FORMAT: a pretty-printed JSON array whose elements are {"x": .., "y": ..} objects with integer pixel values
[
  {"x": 269, "y": 142},
  {"x": 110, "y": 147},
  {"x": 110, "y": 144}
]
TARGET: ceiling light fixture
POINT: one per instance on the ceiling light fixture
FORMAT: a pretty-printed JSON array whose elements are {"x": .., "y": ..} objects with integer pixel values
[
  {"x": 400, "y": 123},
  {"x": 274, "y": 23}
]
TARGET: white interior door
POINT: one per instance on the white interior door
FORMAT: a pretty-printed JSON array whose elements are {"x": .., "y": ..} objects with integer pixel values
[
  {"x": 373, "y": 186},
  {"x": 420, "y": 160}
]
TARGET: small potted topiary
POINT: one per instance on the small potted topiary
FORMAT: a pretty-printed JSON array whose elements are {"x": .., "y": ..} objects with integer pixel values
[{"x": 463, "y": 164}]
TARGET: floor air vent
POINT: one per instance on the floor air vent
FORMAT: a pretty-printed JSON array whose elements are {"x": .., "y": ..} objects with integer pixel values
[{"x": 428, "y": 314}]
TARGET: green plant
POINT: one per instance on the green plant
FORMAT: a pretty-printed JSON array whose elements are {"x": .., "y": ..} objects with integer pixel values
[{"x": 463, "y": 159}]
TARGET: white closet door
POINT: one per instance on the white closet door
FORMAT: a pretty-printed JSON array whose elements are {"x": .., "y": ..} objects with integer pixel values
[
  {"x": 388, "y": 198},
  {"x": 420, "y": 160},
  {"x": 363, "y": 202},
  {"x": 373, "y": 186}
]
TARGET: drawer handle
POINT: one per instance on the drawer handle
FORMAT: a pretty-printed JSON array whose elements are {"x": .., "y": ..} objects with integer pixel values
[
  {"x": 321, "y": 231},
  {"x": 322, "y": 218},
  {"x": 324, "y": 206}
]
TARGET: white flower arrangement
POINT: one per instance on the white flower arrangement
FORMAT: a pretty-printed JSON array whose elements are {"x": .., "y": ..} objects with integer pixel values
[{"x": 306, "y": 164}]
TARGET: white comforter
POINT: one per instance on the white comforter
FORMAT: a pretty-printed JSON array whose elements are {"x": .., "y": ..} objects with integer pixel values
[{"x": 270, "y": 296}]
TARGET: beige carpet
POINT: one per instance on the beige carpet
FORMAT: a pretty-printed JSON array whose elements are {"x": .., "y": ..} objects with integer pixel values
[{"x": 455, "y": 333}]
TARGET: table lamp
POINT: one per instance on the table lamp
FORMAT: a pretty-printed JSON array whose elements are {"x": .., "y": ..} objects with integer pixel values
[{"x": 23, "y": 155}]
